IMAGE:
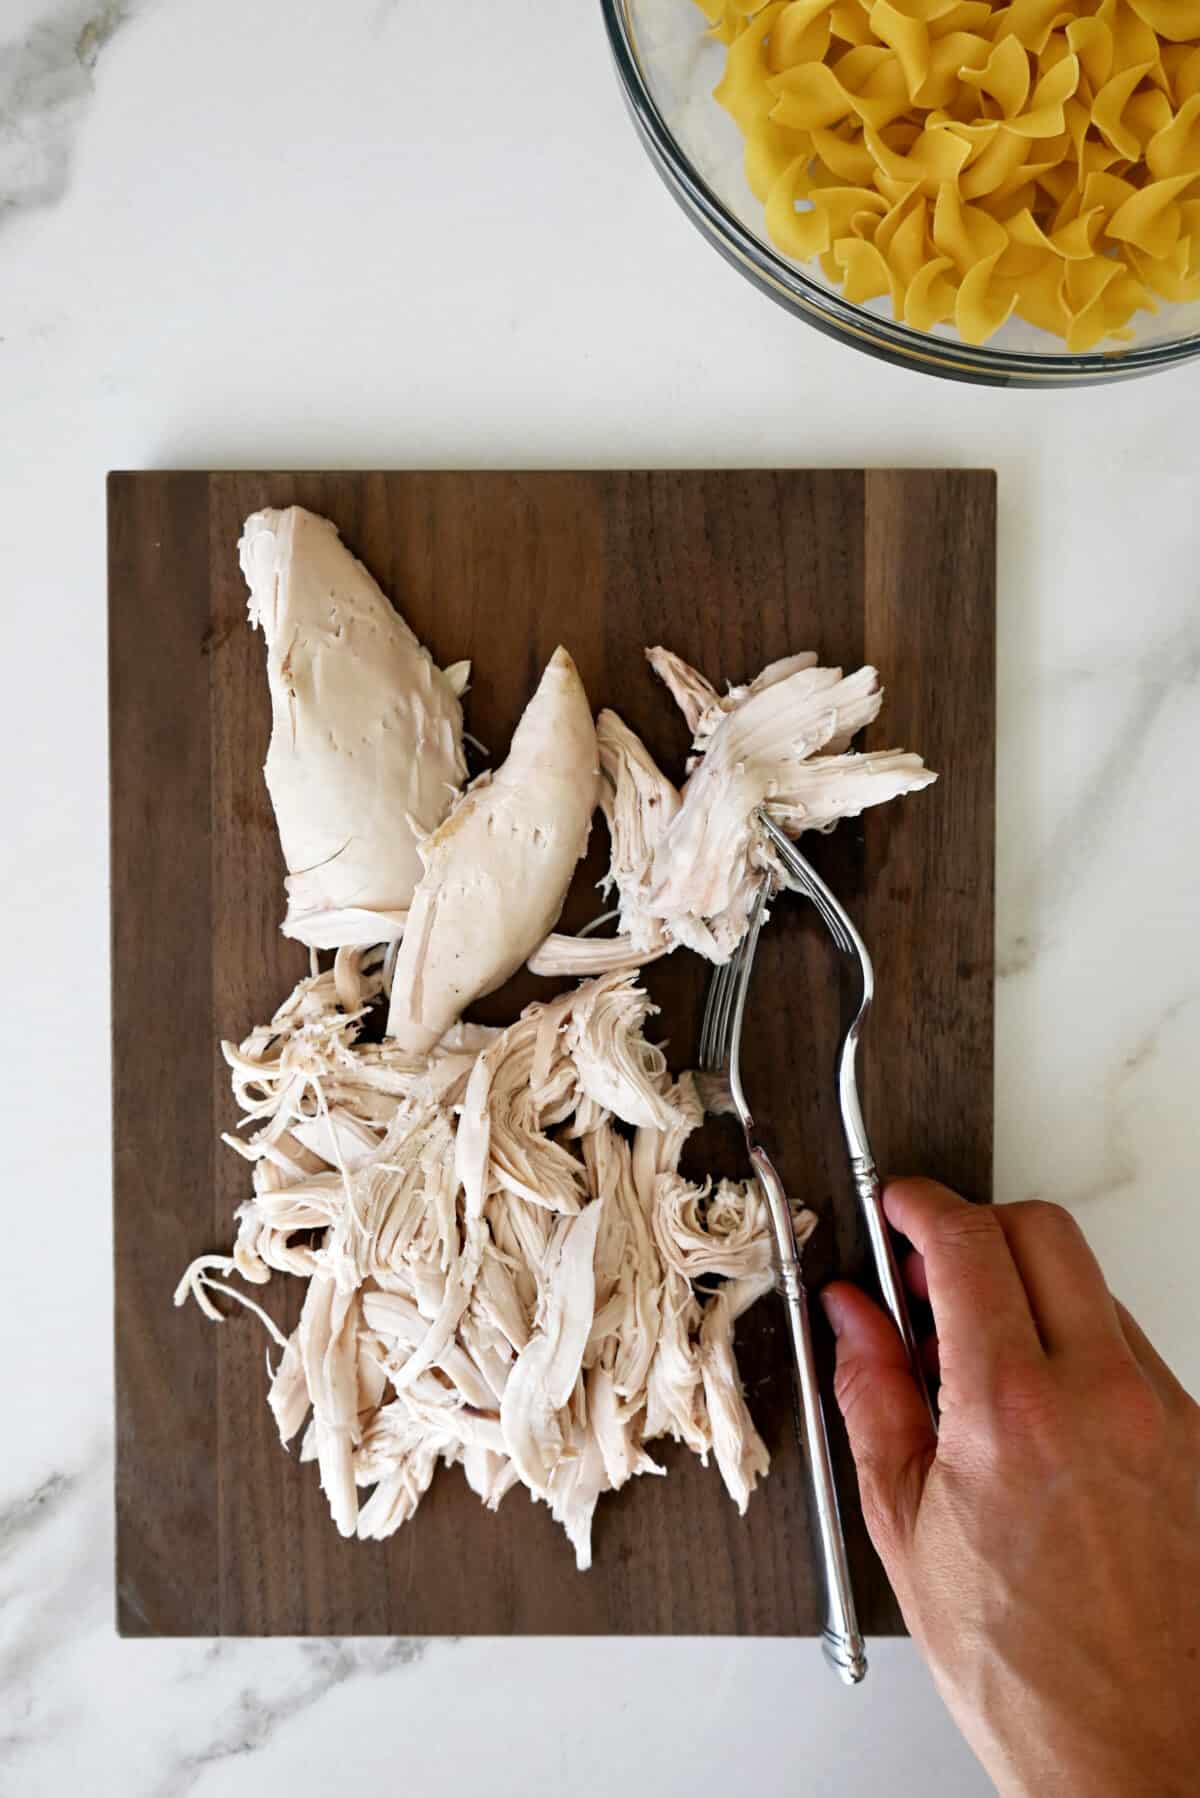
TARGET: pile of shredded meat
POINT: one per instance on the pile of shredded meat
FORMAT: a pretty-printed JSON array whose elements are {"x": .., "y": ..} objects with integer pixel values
[{"x": 506, "y": 1269}]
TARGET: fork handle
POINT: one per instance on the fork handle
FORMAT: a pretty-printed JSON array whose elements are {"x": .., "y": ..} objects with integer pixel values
[
  {"x": 870, "y": 1198},
  {"x": 841, "y": 1639}
]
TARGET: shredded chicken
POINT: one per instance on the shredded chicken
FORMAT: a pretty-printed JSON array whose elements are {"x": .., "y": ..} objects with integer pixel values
[
  {"x": 498, "y": 1276},
  {"x": 687, "y": 866},
  {"x": 740, "y": 1451}
]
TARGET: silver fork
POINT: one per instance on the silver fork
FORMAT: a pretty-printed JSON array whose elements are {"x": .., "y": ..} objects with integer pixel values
[
  {"x": 862, "y": 1163},
  {"x": 720, "y": 1053}
]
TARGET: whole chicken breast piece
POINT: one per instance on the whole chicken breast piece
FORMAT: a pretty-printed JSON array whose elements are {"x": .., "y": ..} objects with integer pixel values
[
  {"x": 366, "y": 737},
  {"x": 497, "y": 871}
]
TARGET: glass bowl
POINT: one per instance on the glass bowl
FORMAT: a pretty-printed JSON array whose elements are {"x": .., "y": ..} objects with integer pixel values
[{"x": 668, "y": 68}]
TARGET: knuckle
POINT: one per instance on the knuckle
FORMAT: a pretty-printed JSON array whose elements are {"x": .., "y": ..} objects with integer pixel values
[
  {"x": 1108, "y": 1366},
  {"x": 965, "y": 1227},
  {"x": 1040, "y": 1417},
  {"x": 1047, "y": 1219},
  {"x": 1027, "y": 1404}
]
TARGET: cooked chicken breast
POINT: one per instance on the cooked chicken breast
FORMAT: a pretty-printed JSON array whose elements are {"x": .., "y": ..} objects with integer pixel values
[
  {"x": 366, "y": 737},
  {"x": 496, "y": 872}
]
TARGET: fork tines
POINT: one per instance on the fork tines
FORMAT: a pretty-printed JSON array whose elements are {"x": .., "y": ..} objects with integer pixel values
[
  {"x": 718, "y": 1011},
  {"x": 805, "y": 879},
  {"x": 720, "y": 1033}
]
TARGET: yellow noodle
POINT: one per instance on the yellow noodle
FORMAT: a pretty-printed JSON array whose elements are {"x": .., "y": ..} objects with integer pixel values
[
  {"x": 1175, "y": 148},
  {"x": 971, "y": 159},
  {"x": 865, "y": 273},
  {"x": 931, "y": 295}
]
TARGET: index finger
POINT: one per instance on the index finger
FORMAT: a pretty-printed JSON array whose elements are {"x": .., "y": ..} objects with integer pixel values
[{"x": 980, "y": 1307}]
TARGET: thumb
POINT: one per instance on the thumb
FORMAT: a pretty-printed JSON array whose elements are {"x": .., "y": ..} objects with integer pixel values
[{"x": 891, "y": 1437}]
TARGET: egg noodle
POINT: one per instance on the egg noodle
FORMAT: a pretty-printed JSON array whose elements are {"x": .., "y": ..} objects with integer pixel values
[{"x": 973, "y": 161}]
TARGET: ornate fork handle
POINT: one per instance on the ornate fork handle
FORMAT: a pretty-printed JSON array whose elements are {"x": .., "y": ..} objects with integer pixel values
[
  {"x": 841, "y": 1639},
  {"x": 720, "y": 1053}
]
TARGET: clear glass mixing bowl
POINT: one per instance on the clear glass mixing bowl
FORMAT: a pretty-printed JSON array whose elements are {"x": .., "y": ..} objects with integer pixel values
[{"x": 668, "y": 68}]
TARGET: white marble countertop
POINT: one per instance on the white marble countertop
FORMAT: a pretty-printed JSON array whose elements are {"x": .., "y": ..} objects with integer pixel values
[{"x": 379, "y": 233}]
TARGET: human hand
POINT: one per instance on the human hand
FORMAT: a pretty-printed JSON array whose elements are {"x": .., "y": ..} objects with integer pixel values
[{"x": 1045, "y": 1546}]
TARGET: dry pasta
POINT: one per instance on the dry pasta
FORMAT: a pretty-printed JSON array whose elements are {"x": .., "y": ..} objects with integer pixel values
[{"x": 972, "y": 161}]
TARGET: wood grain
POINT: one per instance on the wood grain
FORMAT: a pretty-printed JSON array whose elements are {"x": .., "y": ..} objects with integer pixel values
[{"x": 219, "y": 1531}]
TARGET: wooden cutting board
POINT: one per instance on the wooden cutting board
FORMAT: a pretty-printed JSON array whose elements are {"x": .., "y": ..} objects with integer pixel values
[{"x": 218, "y": 1530}]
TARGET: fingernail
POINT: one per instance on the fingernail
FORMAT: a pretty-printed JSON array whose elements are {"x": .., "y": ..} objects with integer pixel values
[{"x": 832, "y": 1307}]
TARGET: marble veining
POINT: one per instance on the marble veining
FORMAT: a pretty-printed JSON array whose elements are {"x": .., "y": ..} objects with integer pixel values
[
  {"x": 47, "y": 1529},
  {"x": 30, "y": 1511},
  {"x": 1152, "y": 682},
  {"x": 249, "y": 1725},
  {"x": 47, "y": 79},
  {"x": 56, "y": 1617},
  {"x": 1120, "y": 1100}
]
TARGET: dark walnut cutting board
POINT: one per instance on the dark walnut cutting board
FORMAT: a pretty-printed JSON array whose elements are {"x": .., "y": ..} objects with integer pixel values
[{"x": 218, "y": 1530}]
